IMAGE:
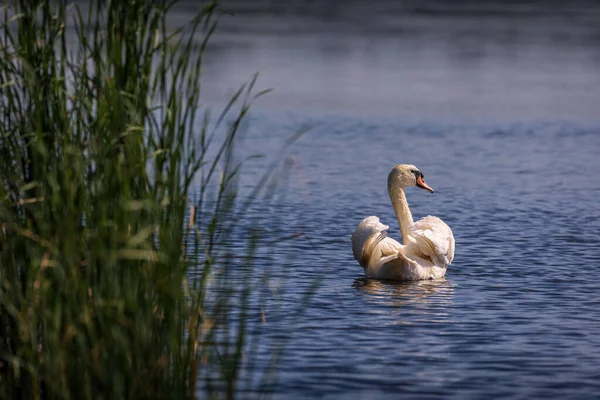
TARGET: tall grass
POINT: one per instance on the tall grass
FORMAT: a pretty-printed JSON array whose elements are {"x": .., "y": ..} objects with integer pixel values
[{"x": 101, "y": 137}]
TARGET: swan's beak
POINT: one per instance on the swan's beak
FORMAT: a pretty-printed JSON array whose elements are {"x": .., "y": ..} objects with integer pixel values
[{"x": 421, "y": 183}]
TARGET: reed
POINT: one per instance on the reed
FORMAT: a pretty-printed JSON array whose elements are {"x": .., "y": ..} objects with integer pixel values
[{"x": 113, "y": 284}]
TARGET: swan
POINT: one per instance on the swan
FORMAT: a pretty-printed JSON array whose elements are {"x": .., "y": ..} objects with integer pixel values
[{"x": 427, "y": 245}]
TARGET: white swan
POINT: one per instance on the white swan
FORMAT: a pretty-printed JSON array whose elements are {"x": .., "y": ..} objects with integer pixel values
[{"x": 427, "y": 245}]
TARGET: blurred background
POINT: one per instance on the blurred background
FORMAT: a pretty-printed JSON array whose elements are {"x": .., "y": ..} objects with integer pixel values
[{"x": 429, "y": 58}]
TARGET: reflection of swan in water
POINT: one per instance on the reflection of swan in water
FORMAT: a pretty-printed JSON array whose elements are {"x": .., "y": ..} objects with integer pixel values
[{"x": 435, "y": 292}]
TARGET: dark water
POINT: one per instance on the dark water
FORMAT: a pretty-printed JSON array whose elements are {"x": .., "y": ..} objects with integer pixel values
[{"x": 500, "y": 112}]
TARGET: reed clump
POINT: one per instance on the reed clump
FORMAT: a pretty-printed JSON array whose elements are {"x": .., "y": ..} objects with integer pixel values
[{"x": 107, "y": 288}]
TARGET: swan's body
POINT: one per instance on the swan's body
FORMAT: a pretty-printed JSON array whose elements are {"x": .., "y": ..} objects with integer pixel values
[{"x": 427, "y": 245}]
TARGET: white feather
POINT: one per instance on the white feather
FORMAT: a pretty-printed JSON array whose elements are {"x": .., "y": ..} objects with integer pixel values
[{"x": 434, "y": 238}]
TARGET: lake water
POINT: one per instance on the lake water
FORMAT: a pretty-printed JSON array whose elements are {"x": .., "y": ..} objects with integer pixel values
[{"x": 500, "y": 111}]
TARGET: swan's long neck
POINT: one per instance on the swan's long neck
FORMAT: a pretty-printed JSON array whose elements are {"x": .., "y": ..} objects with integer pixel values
[{"x": 402, "y": 210}]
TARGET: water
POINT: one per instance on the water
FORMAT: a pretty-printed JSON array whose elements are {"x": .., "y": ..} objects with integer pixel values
[
  {"x": 518, "y": 313},
  {"x": 500, "y": 112}
]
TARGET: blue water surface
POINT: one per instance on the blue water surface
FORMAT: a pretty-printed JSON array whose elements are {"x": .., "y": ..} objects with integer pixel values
[{"x": 500, "y": 112}]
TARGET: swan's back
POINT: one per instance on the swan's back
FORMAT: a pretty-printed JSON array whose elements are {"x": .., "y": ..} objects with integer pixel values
[{"x": 426, "y": 256}]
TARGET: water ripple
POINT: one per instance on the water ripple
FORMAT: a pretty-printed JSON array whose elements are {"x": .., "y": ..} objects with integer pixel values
[{"x": 518, "y": 313}]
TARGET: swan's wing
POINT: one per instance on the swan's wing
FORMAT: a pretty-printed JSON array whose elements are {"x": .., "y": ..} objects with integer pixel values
[
  {"x": 370, "y": 243},
  {"x": 367, "y": 227},
  {"x": 369, "y": 256},
  {"x": 389, "y": 246},
  {"x": 379, "y": 250},
  {"x": 434, "y": 240}
]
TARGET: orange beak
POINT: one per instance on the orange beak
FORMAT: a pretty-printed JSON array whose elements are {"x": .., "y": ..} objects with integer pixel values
[{"x": 421, "y": 183}]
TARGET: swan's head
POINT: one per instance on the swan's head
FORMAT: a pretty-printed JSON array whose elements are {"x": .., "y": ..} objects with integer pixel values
[{"x": 403, "y": 175}]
